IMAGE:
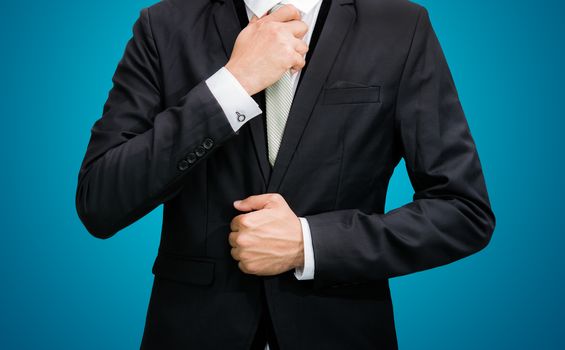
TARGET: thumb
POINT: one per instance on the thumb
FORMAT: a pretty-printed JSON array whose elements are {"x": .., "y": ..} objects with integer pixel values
[
  {"x": 255, "y": 202},
  {"x": 253, "y": 19}
]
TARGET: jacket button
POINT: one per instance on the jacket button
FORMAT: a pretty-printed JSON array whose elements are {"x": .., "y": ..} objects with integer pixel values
[
  {"x": 199, "y": 151},
  {"x": 191, "y": 158},
  {"x": 183, "y": 165},
  {"x": 208, "y": 143}
]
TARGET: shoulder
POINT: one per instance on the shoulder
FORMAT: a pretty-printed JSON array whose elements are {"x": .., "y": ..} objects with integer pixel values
[
  {"x": 393, "y": 10},
  {"x": 170, "y": 13},
  {"x": 397, "y": 20},
  {"x": 405, "y": 7}
]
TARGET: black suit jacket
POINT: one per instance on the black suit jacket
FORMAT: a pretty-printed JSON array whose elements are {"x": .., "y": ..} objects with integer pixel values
[{"x": 377, "y": 89}]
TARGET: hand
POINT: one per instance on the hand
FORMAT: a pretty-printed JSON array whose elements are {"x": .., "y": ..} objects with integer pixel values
[
  {"x": 267, "y": 48},
  {"x": 266, "y": 241}
]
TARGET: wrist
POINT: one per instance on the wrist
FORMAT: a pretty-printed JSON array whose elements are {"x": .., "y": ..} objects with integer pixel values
[
  {"x": 240, "y": 77},
  {"x": 299, "y": 256}
]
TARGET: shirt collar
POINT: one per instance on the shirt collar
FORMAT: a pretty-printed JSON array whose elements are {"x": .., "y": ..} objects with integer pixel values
[{"x": 260, "y": 7}]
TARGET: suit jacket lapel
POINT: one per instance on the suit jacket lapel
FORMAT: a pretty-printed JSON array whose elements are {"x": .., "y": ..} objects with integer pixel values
[{"x": 339, "y": 19}]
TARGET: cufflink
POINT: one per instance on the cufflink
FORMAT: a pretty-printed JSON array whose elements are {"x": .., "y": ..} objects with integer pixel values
[{"x": 240, "y": 117}]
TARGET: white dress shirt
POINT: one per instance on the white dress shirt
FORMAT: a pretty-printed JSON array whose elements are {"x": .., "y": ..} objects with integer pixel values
[{"x": 235, "y": 101}]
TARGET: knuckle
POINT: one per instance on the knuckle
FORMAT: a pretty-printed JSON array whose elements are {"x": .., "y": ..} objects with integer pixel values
[
  {"x": 234, "y": 222},
  {"x": 275, "y": 197},
  {"x": 245, "y": 221},
  {"x": 235, "y": 241},
  {"x": 234, "y": 254},
  {"x": 241, "y": 240},
  {"x": 298, "y": 58},
  {"x": 239, "y": 219},
  {"x": 244, "y": 256}
]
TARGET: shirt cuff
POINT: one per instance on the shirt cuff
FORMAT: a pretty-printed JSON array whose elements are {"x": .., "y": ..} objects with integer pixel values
[
  {"x": 236, "y": 103},
  {"x": 307, "y": 271}
]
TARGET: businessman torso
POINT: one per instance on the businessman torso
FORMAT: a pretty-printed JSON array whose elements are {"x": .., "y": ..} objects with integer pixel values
[
  {"x": 336, "y": 133},
  {"x": 341, "y": 144}
]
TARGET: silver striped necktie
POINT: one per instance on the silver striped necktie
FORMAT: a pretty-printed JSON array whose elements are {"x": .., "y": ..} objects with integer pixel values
[{"x": 278, "y": 98}]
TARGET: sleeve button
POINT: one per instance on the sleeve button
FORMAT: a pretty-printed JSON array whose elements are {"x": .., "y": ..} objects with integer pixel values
[
  {"x": 199, "y": 151},
  {"x": 208, "y": 143},
  {"x": 191, "y": 158},
  {"x": 183, "y": 165}
]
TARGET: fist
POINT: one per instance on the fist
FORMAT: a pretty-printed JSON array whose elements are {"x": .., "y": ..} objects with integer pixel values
[
  {"x": 267, "y": 48},
  {"x": 268, "y": 239}
]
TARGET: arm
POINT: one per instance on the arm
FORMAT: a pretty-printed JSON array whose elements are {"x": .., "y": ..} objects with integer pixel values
[
  {"x": 138, "y": 152},
  {"x": 450, "y": 216}
]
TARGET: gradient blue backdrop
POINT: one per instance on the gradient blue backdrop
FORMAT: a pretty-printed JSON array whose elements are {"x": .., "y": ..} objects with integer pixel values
[{"x": 63, "y": 289}]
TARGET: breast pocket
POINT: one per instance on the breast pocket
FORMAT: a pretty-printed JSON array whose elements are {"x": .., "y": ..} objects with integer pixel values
[{"x": 344, "y": 92}]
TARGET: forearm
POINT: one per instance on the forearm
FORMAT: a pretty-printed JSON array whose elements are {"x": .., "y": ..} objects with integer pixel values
[
  {"x": 139, "y": 152},
  {"x": 119, "y": 185},
  {"x": 356, "y": 246}
]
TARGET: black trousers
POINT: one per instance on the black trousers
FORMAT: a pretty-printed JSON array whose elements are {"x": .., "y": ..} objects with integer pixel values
[{"x": 265, "y": 332}]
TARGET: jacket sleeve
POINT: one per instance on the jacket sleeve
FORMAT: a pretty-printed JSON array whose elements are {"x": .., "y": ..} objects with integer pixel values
[
  {"x": 450, "y": 216},
  {"x": 139, "y": 152}
]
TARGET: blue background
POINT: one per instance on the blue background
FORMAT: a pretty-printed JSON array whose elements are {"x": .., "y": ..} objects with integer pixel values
[{"x": 63, "y": 289}]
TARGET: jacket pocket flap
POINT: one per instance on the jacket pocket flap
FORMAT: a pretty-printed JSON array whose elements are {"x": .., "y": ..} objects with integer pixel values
[{"x": 184, "y": 269}]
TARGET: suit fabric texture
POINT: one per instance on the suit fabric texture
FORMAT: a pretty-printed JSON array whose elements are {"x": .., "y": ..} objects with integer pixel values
[{"x": 376, "y": 89}]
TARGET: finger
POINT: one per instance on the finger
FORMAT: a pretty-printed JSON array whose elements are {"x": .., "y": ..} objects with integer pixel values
[
  {"x": 283, "y": 14},
  {"x": 256, "y": 219},
  {"x": 297, "y": 28},
  {"x": 253, "y": 19},
  {"x": 298, "y": 63},
  {"x": 232, "y": 239},
  {"x": 256, "y": 202},
  {"x": 236, "y": 254},
  {"x": 235, "y": 224},
  {"x": 301, "y": 47}
]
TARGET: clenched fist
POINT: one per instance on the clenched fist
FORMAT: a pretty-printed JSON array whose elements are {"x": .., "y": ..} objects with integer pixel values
[
  {"x": 268, "y": 47},
  {"x": 268, "y": 239}
]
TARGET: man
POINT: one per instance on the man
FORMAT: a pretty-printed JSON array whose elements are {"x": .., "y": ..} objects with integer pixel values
[{"x": 270, "y": 133}]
